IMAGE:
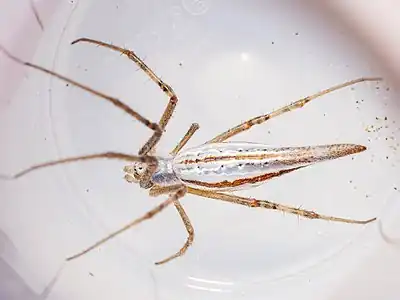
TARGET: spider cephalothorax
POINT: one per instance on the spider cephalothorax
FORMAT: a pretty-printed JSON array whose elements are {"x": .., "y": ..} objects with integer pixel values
[{"x": 134, "y": 172}]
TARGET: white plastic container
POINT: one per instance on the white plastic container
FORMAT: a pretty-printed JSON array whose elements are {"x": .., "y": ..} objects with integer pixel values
[{"x": 227, "y": 61}]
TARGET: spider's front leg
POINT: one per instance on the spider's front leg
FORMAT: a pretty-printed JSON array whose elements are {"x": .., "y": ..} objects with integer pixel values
[{"x": 167, "y": 89}]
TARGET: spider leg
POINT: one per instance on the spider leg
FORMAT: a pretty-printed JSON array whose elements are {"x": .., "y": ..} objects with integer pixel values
[
  {"x": 173, "y": 99},
  {"x": 158, "y": 190},
  {"x": 271, "y": 205},
  {"x": 149, "y": 160},
  {"x": 193, "y": 128},
  {"x": 152, "y": 141},
  {"x": 177, "y": 195},
  {"x": 293, "y": 106}
]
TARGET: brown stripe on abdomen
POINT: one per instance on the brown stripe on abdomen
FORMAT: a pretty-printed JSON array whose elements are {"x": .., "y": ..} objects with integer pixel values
[
  {"x": 239, "y": 182},
  {"x": 229, "y": 157}
]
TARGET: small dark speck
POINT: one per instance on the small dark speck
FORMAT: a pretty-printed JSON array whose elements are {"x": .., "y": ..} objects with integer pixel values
[
  {"x": 180, "y": 64},
  {"x": 351, "y": 181},
  {"x": 269, "y": 131},
  {"x": 272, "y": 43},
  {"x": 352, "y": 158},
  {"x": 296, "y": 33},
  {"x": 385, "y": 118},
  {"x": 45, "y": 139},
  {"x": 91, "y": 274},
  {"x": 324, "y": 114},
  {"x": 87, "y": 190},
  {"x": 357, "y": 101},
  {"x": 85, "y": 70},
  {"x": 377, "y": 87},
  {"x": 67, "y": 84},
  {"x": 388, "y": 89},
  {"x": 352, "y": 88},
  {"x": 387, "y": 157},
  {"x": 395, "y": 188},
  {"x": 366, "y": 196}
]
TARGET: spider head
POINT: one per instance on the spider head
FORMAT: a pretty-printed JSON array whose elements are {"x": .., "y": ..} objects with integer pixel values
[{"x": 134, "y": 172}]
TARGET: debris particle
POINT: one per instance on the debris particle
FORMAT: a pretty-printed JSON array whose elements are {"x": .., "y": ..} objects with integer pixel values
[{"x": 372, "y": 128}]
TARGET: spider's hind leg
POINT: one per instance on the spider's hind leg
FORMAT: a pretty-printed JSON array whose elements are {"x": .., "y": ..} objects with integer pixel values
[{"x": 292, "y": 106}]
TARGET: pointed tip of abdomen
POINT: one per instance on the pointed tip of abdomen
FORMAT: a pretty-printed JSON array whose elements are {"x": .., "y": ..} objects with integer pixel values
[
  {"x": 346, "y": 149},
  {"x": 328, "y": 152},
  {"x": 358, "y": 148}
]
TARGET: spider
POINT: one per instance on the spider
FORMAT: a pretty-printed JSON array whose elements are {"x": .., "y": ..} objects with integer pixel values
[{"x": 211, "y": 170}]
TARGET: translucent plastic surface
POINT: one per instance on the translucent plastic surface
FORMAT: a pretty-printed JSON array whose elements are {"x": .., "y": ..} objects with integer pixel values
[{"x": 228, "y": 61}]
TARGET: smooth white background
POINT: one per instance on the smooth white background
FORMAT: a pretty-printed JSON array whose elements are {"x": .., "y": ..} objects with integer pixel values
[{"x": 227, "y": 61}]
